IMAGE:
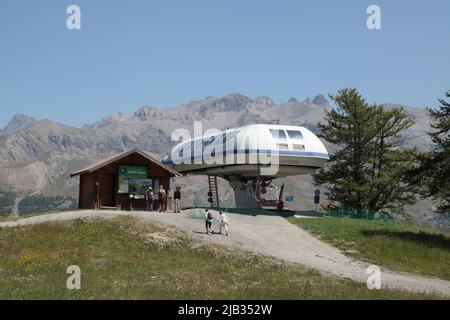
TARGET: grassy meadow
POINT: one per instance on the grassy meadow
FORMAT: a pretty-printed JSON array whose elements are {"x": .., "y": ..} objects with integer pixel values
[
  {"x": 400, "y": 247},
  {"x": 127, "y": 258}
]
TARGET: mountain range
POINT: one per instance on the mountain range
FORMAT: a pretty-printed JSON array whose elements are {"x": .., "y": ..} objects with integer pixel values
[{"x": 37, "y": 156}]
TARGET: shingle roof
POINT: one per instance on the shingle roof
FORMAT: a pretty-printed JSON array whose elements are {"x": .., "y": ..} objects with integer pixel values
[{"x": 109, "y": 160}]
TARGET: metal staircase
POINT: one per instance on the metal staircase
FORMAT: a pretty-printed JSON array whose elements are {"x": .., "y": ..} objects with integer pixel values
[{"x": 213, "y": 194}]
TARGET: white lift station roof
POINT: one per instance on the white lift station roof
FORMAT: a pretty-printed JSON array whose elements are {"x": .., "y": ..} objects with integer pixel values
[{"x": 243, "y": 151}]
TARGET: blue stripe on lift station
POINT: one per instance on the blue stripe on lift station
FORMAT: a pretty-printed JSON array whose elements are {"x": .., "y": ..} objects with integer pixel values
[{"x": 287, "y": 152}]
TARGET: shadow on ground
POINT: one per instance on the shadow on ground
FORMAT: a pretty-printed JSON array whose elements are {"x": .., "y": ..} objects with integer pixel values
[
  {"x": 255, "y": 212},
  {"x": 423, "y": 238}
]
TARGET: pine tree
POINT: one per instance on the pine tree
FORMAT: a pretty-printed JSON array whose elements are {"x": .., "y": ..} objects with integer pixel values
[
  {"x": 390, "y": 163},
  {"x": 433, "y": 173},
  {"x": 368, "y": 170}
]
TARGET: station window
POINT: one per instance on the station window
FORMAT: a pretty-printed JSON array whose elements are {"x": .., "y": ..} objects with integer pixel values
[
  {"x": 298, "y": 147},
  {"x": 278, "y": 135},
  {"x": 295, "y": 135},
  {"x": 282, "y": 146}
]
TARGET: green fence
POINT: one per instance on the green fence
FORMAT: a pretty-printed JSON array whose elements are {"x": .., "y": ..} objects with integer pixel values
[{"x": 381, "y": 217}]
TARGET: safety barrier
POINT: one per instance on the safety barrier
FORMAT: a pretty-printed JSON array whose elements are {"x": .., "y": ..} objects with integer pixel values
[{"x": 381, "y": 217}]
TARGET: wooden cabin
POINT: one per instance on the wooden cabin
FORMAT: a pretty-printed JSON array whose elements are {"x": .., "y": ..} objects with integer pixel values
[{"x": 121, "y": 181}]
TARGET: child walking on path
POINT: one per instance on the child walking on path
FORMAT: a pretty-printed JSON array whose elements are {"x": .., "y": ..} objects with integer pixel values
[
  {"x": 208, "y": 221},
  {"x": 223, "y": 222}
]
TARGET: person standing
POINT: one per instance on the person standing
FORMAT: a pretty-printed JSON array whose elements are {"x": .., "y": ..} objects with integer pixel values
[
  {"x": 161, "y": 198},
  {"x": 177, "y": 198},
  {"x": 149, "y": 199},
  {"x": 223, "y": 223},
  {"x": 208, "y": 221}
]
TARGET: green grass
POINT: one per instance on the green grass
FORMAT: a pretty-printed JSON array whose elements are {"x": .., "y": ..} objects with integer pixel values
[
  {"x": 126, "y": 258},
  {"x": 401, "y": 247}
]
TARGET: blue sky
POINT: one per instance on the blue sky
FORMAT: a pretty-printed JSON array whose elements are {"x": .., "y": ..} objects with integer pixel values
[{"x": 165, "y": 53}]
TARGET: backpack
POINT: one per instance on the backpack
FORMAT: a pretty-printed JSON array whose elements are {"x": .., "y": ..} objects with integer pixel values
[{"x": 210, "y": 215}]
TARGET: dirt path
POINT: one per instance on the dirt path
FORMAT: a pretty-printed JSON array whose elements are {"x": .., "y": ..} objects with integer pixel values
[{"x": 268, "y": 235}]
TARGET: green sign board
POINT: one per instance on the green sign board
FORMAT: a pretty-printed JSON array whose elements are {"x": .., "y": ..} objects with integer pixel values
[
  {"x": 133, "y": 172},
  {"x": 126, "y": 173}
]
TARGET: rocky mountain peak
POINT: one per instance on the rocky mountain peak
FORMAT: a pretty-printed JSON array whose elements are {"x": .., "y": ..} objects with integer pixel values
[
  {"x": 230, "y": 102},
  {"x": 147, "y": 113},
  {"x": 264, "y": 101},
  {"x": 17, "y": 122},
  {"x": 109, "y": 120},
  {"x": 235, "y": 101},
  {"x": 320, "y": 100},
  {"x": 307, "y": 101}
]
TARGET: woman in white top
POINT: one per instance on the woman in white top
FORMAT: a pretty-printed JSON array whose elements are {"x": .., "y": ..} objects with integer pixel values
[{"x": 223, "y": 222}]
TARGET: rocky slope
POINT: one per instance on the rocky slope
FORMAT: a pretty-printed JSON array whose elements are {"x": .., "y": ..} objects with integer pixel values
[{"x": 37, "y": 157}]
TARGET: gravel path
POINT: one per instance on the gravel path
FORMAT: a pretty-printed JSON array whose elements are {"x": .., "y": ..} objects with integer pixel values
[{"x": 268, "y": 235}]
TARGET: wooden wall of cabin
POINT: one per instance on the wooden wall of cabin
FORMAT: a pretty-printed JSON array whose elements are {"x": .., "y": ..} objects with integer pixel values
[{"x": 87, "y": 191}]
